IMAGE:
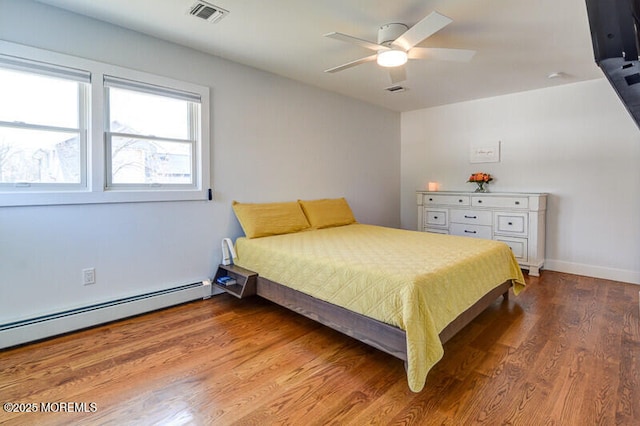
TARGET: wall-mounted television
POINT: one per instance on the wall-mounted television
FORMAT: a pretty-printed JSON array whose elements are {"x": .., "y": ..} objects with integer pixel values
[{"x": 615, "y": 29}]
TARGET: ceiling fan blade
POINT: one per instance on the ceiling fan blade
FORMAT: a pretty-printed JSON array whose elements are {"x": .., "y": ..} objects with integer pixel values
[
  {"x": 429, "y": 25},
  {"x": 352, "y": 64},
  {"x": 397, "y": 74},
  {"x": 457, "y": 55},
  {"x": 354, "y": 40}
]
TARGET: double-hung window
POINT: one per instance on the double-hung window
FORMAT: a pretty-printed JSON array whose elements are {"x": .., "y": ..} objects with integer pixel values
[
  {"x": 43, "y": 125},
  {"x": 151, "y": 136}
]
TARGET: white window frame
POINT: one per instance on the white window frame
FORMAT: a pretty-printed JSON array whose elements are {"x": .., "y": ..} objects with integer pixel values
[
  {"x": 83, "y": 79},
  {"x": 193, "y": 115},
  {"x": 95, "y": 188}
]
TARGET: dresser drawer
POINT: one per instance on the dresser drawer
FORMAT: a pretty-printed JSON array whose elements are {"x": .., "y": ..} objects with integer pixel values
[
  {"x": 435, "y": 217},
  {"x": 518, "y": 247},
  {"x": 472, "y": 217},
  {"x": 446, "y": 200},
  {"x": 437, "y": 231},
  {"x": 475, "y": 231},
  {"x": 511, "y": 223},
  {"x": 500, "y": 202}
]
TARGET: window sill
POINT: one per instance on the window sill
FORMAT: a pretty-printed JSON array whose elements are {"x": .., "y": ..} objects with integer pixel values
[{"x": 51, "y": 198}]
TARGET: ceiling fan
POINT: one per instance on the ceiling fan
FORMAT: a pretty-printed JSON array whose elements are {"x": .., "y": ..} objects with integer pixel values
[{"x": 396, "y": 44}]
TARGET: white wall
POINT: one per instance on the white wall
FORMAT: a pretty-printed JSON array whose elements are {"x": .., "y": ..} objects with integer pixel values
[
  {"x": 272, "y": 140},
  {"x": 576, "y": 142}
]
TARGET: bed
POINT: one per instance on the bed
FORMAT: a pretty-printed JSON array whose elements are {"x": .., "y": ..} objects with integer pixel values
[{"x": 404, "y": 292}]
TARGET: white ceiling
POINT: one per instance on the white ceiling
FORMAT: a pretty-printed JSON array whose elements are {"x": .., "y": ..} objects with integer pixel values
[{"x": 518, "y": 42}]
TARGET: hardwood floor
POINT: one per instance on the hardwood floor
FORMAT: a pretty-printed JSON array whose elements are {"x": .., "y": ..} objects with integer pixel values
[{"x": 566, "y": 351}]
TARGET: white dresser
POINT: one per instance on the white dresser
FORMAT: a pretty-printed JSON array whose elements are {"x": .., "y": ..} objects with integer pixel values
[{"x": 518, "y": 219}]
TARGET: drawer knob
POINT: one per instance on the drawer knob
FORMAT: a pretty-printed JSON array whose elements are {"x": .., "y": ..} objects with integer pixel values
[
  {"x": 435, "y": 217},
  {"x": 470, "y": 217},
  {"x": 510, "y": 223},
  {"x": 459, "y": 201},
  {"x": 470, "y": 232},
  {"x": 517, "y": 203},
  {"x": 430, "y": 199}
]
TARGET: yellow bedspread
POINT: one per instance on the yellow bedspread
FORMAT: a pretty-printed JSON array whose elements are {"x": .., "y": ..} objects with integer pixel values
[{"x": 414, "y": 280}]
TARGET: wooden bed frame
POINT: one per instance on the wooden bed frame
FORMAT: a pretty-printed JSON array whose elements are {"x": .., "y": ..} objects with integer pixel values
[{"x": 385, "y": 337}]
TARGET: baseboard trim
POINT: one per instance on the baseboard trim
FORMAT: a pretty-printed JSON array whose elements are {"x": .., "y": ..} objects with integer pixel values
[
  {"x": 16, "y": 333},
  {"x": 623, "y": 275}
]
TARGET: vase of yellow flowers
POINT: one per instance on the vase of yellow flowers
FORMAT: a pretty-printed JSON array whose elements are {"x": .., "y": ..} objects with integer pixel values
[{"x": 481, "y": 180}]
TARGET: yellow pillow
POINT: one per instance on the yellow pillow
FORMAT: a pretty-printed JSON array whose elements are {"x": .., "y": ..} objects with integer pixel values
[
  {"x": 261, "y": 220},
  {"x": 326, "y": 213}
]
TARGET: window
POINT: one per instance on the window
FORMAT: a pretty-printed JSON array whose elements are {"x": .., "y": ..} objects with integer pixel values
[
  {"x": 75, "y": 131},
  {"x": 152, "y": 134},
  {"x": 43, "y": 125}
]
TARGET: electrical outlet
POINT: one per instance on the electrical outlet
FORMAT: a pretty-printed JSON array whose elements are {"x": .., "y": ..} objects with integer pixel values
[{"x": 88, "y": 276}]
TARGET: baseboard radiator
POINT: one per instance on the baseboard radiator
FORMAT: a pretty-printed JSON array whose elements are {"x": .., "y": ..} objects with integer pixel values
[{"x": 29, "y": 330}]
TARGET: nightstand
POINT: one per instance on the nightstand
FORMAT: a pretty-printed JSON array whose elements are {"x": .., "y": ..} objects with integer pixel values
[{"x": 246, "y": 280}]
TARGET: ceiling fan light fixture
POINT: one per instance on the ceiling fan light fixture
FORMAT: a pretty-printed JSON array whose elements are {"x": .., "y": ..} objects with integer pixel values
[{"x": 391, "y": 58}]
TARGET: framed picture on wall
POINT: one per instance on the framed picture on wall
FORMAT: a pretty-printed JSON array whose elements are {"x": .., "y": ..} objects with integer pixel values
[{"x": 487, "y": 153}]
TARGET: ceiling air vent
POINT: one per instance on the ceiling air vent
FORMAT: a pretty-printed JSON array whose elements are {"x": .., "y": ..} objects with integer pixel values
[
  {"x": 395, "y": 89},
  {"x": 207, "y": 11}
]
